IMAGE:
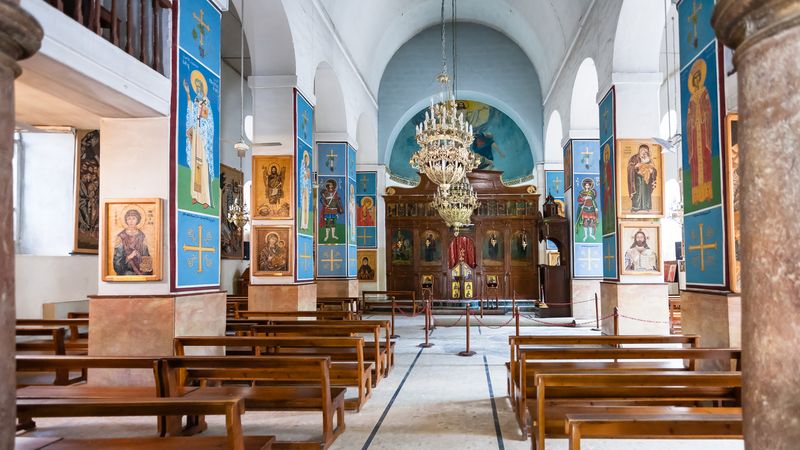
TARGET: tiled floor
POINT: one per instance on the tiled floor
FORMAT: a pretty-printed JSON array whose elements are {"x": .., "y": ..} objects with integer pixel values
[{"x": 433, "y": 399}]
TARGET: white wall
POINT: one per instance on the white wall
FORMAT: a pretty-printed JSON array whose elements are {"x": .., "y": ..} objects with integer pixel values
[
  {"x": 52, "y": 279},
  {"x": 134, "y": 163}
]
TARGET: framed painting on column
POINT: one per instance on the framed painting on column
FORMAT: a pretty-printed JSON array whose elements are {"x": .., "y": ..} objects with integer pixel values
[
  {"x": 640, "y": 179},
  {"x": 132, "y": 249},
  {"x": 273, "y": 187},
  {"x": 733, "y": 200},
  {"x": 272, "y": 251},
  {"x": 640, "y": 248}
]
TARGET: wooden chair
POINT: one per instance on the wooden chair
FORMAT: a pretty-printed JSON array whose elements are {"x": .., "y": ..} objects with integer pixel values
[
  {"x": 231, "y": 408},
  {"x": 295, "y": 384}
]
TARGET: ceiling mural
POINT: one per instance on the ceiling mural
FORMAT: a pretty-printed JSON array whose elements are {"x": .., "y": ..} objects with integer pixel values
[{"x": 498, "y": 140}]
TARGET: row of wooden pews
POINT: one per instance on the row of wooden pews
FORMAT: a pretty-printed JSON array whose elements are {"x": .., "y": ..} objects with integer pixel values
[
  {"x": 622, "y": 387},
  {"x": 268, "y": 361}
]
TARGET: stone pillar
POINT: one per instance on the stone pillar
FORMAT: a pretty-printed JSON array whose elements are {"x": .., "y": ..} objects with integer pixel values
[
  {"x": 766, "y": 37},
  {"x": 20, "y": 37}
]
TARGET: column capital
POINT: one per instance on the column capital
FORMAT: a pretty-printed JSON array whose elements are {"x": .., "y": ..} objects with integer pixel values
[
  {"x": 742, "y": 23},
  {"x": 20, "y": 35}
]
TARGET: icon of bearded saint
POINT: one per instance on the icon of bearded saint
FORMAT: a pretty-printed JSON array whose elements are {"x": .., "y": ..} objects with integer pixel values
[
  {"x": 640, "y": 257},
  {"x": 642, "y": 174}
]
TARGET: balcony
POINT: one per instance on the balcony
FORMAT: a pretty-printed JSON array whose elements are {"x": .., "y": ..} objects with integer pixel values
[{"x": 138, "y": 27}]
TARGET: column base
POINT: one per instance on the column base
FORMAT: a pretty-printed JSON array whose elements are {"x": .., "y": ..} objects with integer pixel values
[
  {"x": 146, "y": 326},
  {"x": 648, "y": 304},
  {"x": 282, "y": 297},
  {"x": 582, "y": 291},
  {"x": 716, "y": 317},
  {"x": 337, "y": 288}
]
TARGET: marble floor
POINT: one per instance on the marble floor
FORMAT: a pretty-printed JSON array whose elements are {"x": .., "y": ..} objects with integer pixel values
[{"x": 433, "y": 399}]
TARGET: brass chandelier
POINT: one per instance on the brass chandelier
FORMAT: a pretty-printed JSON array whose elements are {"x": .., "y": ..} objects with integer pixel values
[
  {"x": 237, "y": 214},
  {"x": 444, "y": 137},
  {"x": 457, "y": 205}
]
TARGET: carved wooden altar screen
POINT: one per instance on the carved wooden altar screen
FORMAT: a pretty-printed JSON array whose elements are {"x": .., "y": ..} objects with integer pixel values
[{"x": 504, "y": 234}]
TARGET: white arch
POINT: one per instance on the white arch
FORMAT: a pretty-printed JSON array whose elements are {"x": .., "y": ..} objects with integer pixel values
[
  {"x": 637, "y": 41},
  {"x": 553, "y": 137},
  {"x": 330, "y": 114},
  {"x": 269, "y": 37},
  {"x": 584, "y": 116},
  {"x": 367, "y": 139}
]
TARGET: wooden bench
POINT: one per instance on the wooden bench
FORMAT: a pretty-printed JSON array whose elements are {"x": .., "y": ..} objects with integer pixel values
[
  {"x": 519, "y": 341},
  {"x": 374, "y": 350},
  {"x": 82, "y": 390},
  {"x": 74, "y": 326},
  {"x": 678, "y": 423},
  {"x": 52, "y": 342},
  {"x": 285, "y": 393},
  {"x": 348, "y": 368},
  {"x": 534, "y": 361},
  {"x": 559, "y": 394},
  {"x": 231, "y": 408},
  {"x": 349, "y": 304},
  {"x": 386, "y": 345},
  {"x": 400, "y": 297},
  {"x": 320, "y": 315}
]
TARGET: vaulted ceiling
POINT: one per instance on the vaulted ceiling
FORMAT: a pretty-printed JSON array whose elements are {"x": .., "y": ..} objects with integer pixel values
[{"x": 373, "y": 30}]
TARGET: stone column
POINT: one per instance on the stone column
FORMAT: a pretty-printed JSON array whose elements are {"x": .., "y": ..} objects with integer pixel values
[
  {"x": 766, "y": 37},
  {"x": 20, "y": 37}
]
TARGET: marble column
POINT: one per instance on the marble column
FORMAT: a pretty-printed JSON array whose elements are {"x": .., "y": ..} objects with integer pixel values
[
  {"x": 766, "y": 37},
  {"x": 20, "y": 37}
]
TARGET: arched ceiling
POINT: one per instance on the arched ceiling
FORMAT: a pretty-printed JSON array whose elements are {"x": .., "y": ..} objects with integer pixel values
[{"x": 373, "y": 30}]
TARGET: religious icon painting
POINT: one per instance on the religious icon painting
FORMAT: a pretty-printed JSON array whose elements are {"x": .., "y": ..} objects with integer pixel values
[
  {"x": 366, "y": 212},
  {"x": 695, "y": 25},
  {"x": 640, "y": 179},
  {"x": 367, "y": 183},
  {"x": 567, "y": 173},
  {"x": 332, "y": 261},
  {"x": 522, "y": 248},
  {"x": 586, "y": 210},
  {"x": 132, "y": 249},
  {"x": 402, "y": 246},
  {"x": 367, "y": 265},
  {"x": 640, "y": 247},
  {"x": 700, "y": 106},
  {"x": 586, "y": 156},
  {"x": 562, "y": 207},
  {"x": 332, "y": 207},
  {"x": 704, "y": 239},
  {"x": 305, "y": 119},
  {"x": 491, "y": 281},
  {"x": 332, "y": 158},
  {"x": 608, "y": 189},
  {"x": 197, "y": 136},
  {"x": 200, "y": 31},
  {"x": 232, "y": 183},
  {"x": 493, "y": 247},
  {"x": 272, "y": 190},
  {"x": 351, "y": 211},
  {"x": 588, "y": 261},
  {"x": 430, "y": 247},
  {"x": 197, "y": 252},
  {"x": 610, "y": 257},
  {"x": 87, "y": 192},
  {"x": 351, "y": 162},
  {"x": 352, "y": 261},
  {"x": 733, "y": 201},
  {"x": 272, "y": 251},
  {"x": 305, "y": 190},
  {"x": 426, "y": 281},
  {"x": 607, "y": 117},
  {"x": 555, "y": 183},
  {"x": 305, "y": 258}
]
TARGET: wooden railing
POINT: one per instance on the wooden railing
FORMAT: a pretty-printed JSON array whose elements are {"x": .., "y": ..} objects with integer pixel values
[{"x": 135, "y": 26}]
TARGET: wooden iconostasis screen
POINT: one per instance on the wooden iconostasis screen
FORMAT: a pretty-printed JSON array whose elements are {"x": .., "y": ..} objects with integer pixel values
[{"x": 504, "y": 236}]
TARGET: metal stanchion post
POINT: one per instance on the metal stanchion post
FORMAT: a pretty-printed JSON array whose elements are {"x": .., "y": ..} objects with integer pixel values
[
  {"x": 467, "y": 352},
  {"x": 515, "y": 311},
  {"x": 394, "y": 335},
  {"x": 596, "y": 313},
  {"x": 426, "y": 344},
  {"x": 616, "y": 321}
]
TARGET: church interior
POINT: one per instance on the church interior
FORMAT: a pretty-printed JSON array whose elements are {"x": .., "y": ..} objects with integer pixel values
[{"x": 385, "y": 224}]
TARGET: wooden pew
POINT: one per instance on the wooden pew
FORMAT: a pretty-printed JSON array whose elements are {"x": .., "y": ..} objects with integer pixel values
[
  {"x": 401, "y": 298},
  {"x": 286, "y": 315},
  {"x": 349, "y": 304},
  {"x": 523, "y": 341},
  {"x": 52, "y": 342},
  {"x": 348, "y": 367},
  {"x": 76, "y": 340},
  {"x": 678, "y": 423},
  {"x": 285, "y": 392},
  {"x": 558, "y": 394},
  {"x": 231, "y": 408},
  {"x": 378, "y": 350},
  {"x": 82, "y": 390},
  {"x": 534, "y": 361}
]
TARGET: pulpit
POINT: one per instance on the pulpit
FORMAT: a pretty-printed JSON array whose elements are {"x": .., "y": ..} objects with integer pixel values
[{"x": 556, "y": 279}]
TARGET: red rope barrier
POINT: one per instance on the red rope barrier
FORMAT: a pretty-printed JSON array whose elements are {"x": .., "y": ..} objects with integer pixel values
[{"x": 495, "y": 327}]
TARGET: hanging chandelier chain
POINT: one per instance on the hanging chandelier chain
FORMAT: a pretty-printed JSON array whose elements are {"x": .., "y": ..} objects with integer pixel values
[
  {"x": 241, "y": 75},
  {"x": 444, "y": 35}
]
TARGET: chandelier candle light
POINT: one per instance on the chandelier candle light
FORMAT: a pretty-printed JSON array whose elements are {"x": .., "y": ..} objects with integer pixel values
[
  {"x": 456, "y": 206},
  {"x": 444, "y": 137}
]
